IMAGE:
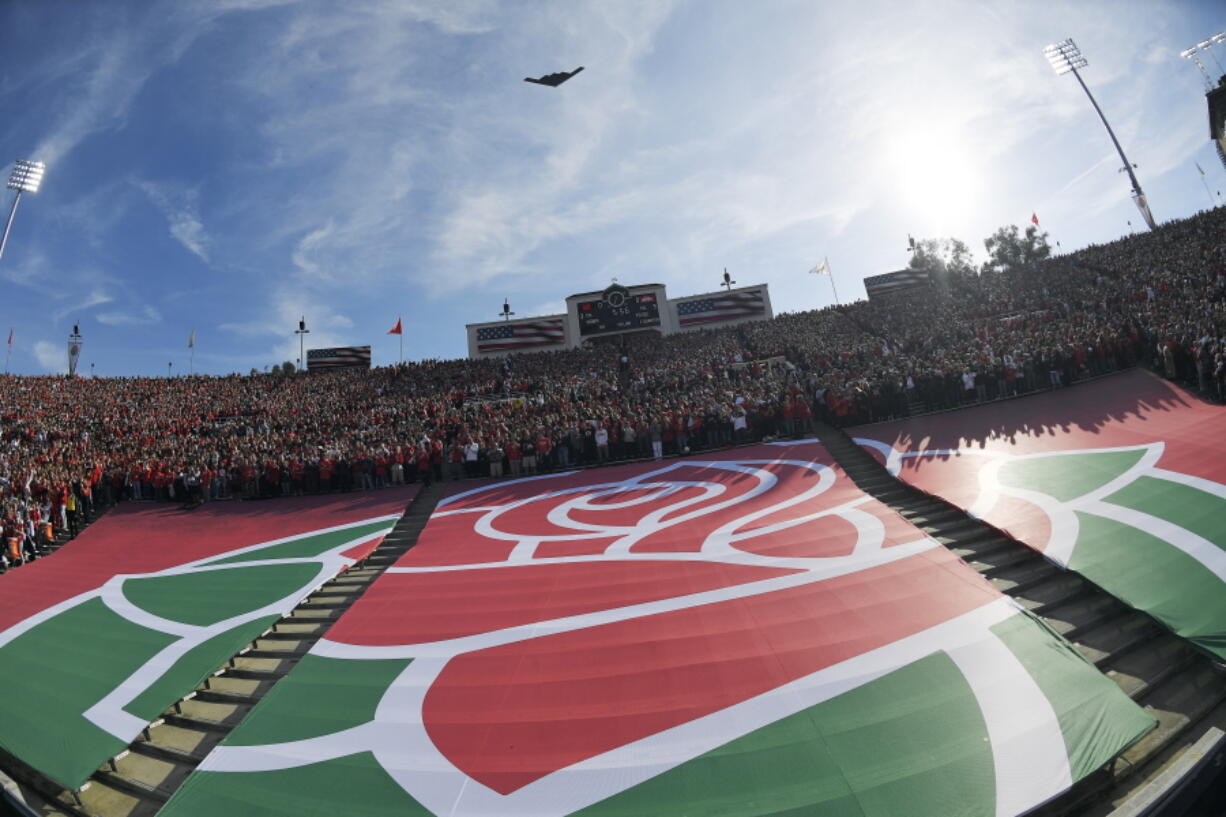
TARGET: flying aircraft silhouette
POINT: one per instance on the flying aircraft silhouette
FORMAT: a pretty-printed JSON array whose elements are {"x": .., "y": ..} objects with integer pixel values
[{"x": 554, "y": 80}]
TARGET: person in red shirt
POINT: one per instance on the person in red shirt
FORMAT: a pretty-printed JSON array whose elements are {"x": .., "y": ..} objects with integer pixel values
[
  {"x": 436, "y": 459},
  {"x": 249, "y": 476},
  {"x": 544, "y": 445},
  {"x": 515, "y": 457},
  {"x": 425, "y": 466},
  {"x": 327, "y": 474}
]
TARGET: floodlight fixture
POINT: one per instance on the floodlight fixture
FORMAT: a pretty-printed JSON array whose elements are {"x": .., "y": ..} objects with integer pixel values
[
  {"x": 1065, "y": 58},
  {"x": 26, "y": 177},
  {"x": 1204, "y": 47}
]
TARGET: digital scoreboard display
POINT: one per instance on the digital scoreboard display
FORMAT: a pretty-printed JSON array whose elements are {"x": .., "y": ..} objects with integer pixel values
[{"x": 618, "y": 314}]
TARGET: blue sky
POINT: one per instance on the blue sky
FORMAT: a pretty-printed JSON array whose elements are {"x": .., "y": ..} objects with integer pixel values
[{"x": 227, "y": 166}]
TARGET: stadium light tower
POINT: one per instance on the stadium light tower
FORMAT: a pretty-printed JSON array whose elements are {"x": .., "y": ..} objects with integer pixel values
[
  {"x": 1204, "y": 48},
  {"x": 301, "y": 332},
  {"x": 26, "y": 178},
  {"x": 1065, "y": 57}
]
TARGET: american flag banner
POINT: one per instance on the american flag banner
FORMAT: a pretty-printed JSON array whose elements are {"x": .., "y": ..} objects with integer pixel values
[
  {"x": 717, "y": 308},
  {"x": 338, "y": 358},
  {"x": 878, "y": 285},
  {"x": 508, "y": 337}
]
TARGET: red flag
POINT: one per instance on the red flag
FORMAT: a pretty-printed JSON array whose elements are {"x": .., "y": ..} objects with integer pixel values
[
  {"x": 10, "y": 337},
  {"x": 1034, "y": 219},
  {"x": 396, "y": 330}
]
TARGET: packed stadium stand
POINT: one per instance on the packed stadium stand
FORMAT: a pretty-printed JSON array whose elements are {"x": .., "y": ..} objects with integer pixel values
[{"x": 1022, "y": 598}]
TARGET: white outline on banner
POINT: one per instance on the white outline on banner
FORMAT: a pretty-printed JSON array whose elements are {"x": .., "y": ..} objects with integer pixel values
[
  {"x": 398, "y": 737},
  {"x": 108, "y": 713}
]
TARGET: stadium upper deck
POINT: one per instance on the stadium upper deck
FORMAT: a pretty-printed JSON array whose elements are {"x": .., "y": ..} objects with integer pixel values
[{"x": 1157, "y": 298}]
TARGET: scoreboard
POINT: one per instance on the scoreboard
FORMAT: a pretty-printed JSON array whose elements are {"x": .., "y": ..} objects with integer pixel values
[
  {"x": 614, "y": 314},
  {"x": 603, "y": 315}
]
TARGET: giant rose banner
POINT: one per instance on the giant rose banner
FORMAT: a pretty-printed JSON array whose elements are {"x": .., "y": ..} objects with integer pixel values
[
  {"x": 741, "y": 634},
  {"x": 1122, "y": 480},
  {"x": 99, "y": 638}
]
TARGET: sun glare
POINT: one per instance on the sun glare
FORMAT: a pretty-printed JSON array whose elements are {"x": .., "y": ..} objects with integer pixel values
[{"x": 938, "y": 178}]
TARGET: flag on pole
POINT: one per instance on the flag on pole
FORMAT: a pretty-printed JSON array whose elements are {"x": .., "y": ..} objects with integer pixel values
[
  {"x": 821, "y": 269},
  {"x": 1034, "y": 219},
  {"x": 191, "y": 340},
  {"x": 397, "y": 329},
  {"x": 10, "y": 337}
]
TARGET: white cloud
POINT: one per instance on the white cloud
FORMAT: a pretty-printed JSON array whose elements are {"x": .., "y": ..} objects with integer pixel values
[
  {"x": 304, "y": 254},
  {"x": 51, "y": 356},
  {"x": 286, "y": 305},
  {"x": 189, "y": 232},
  {"x": 144, "y": 316},
  {"x": 124, "y": 52},
  {"x": 182, "y": 212},
  {"x": 546, "y": 308},
  {"x": 96, "y": 297}
]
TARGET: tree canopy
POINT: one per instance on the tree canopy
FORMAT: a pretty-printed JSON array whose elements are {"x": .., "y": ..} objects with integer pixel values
[
  {"x": 944, "y": 258},
  {"x": 1008, "y": 248}
]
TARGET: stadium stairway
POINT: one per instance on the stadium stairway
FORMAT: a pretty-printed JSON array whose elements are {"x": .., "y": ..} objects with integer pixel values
[
  {"x": 1181, "y": 686},
  {"x": 139, "y": 780}
]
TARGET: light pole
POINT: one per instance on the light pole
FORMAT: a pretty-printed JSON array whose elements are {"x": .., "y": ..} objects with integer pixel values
[
  {"x": 26, "y": 178},
  {"x": 1065, "y": 57},
  {"x": 506, "y": 312},
  {"x": 301, "y": 332}
]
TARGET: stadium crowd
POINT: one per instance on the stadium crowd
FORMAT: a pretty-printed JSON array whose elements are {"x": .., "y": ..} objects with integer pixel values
[{"x": 69, "y": 446}]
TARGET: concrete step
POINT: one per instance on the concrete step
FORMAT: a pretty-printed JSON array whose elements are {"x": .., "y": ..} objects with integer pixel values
[
  {"x": 1116, "y": 636},
  {"x": 226, "y": 697},
  {"x": 278, "y": 651},
  {"x": 934, "y": 516},
  {"x": 984, "y": 546},
  {"x": 316, "y": 614},
  {"x": 1018, "y": 578},
  {"x": 143, "y": 776},
  {"x": 1062, "y": 588},
  {"x": 100, "y": 798},
  {"x": 170, "y": 754},
  {"x": 1139, "y": 671},
  {"x": 998, "y": 562},
  {"x": 1177, "y": 703},
  {"x": 200, "y": 724},
  {"x": 1081, "y": 613},
  {"x": 963, "y": 532},
  {"x": 300, "y": 632}
]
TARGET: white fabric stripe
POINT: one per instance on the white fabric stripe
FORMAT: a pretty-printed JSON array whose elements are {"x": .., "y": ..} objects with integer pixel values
[
  {"x": 399, "y": 740},
  {"x": 1028, "y": 750},
  {"x": 1208, "y": 486},
  {"x": 1198, "y": 547},
  {"x": 892, "y": 456}
]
